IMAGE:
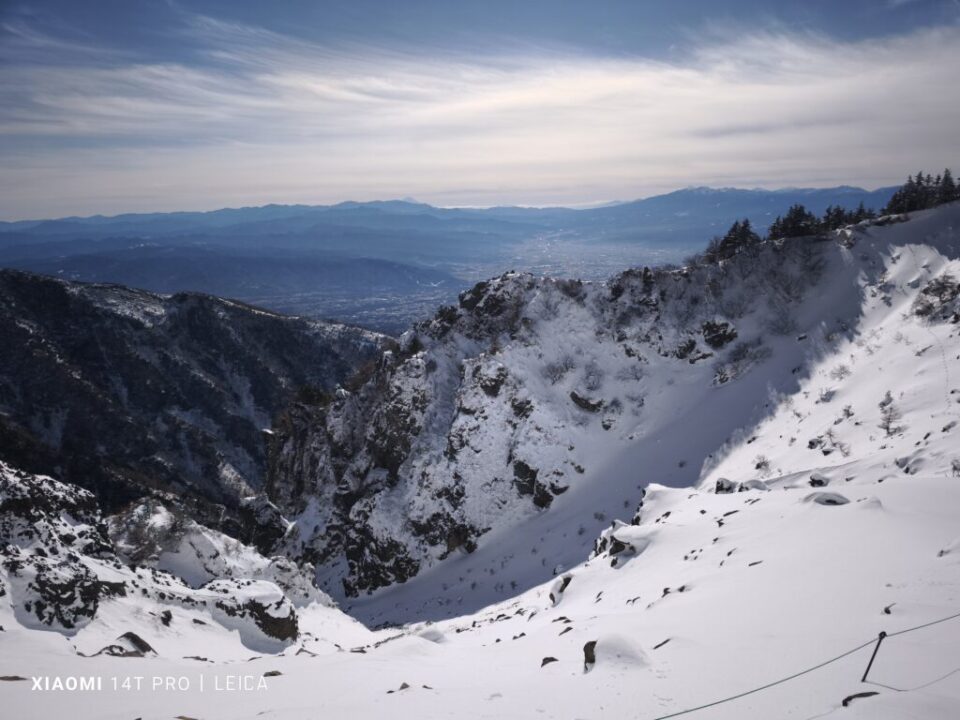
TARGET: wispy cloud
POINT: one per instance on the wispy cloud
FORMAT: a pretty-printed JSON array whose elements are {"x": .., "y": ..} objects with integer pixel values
[{"x": 264, "y": 117}]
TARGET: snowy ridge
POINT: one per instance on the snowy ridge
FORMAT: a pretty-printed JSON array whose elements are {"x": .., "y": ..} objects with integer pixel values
[
  {"x": 549, "y": 404},
  {"x": 150, "y": 535},
  {"x": 59, "y": 570}
]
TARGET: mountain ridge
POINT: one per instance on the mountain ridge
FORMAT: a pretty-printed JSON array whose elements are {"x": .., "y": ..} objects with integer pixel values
[
  {"x": 408, "y": 207},
  {"x": 132, "y": 393},
  {"x": 515, "y": 401}
]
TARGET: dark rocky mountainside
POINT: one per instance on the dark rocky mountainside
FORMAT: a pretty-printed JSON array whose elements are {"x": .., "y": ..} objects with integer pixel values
[{"x": 129, "y": 393}]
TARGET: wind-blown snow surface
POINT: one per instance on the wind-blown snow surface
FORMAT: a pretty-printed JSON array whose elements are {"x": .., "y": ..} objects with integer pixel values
[{"x": 847, "y": 525}]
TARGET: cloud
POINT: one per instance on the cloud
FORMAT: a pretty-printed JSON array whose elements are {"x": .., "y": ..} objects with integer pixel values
[{"x": 260, "y": 117}]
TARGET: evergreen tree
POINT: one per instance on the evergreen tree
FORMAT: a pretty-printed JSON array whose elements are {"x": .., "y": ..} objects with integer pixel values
[
  {"x": 739, "y": 237},
  {"x": 862, "y": 213},
  {"x": 901, "y": 198},
  {"x": 833, "y": 217},
  {"x": 889, "y": 416},
  {"x": 927, "y": 194},
  {"x": 798, "y": 222},
  {"x": 947, "y": 190},
  {"x": 922, "y": 192},
  {"x": 776, "y": 229}
]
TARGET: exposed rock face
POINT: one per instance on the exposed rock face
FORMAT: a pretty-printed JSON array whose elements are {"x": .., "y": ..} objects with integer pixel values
[
  {"x": 249, "y": 604},
  {"x": 45, "y": 529},
  {"x": 128, "y": 393},
  {"x": 262, "y": 524},
  {"x": 59, "y": 566},
  {"x": 150, "y": 535},
  {"x": 492, "y": 410},
  {"x": 939, "y": 300}
]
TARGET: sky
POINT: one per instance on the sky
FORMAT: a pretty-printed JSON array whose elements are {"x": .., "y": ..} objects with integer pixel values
[{"x": 110, "y": 106}]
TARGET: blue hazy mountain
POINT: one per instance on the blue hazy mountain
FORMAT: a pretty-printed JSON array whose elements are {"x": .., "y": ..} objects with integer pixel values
[
  {"x": 701, "y": 204},
  {"x": 385, "y": 263}
]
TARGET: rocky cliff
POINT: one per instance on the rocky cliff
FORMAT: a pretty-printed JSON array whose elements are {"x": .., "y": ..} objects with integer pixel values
[
  {"x": 492, "y": 412},
  {"x": 129, "y": 393}
]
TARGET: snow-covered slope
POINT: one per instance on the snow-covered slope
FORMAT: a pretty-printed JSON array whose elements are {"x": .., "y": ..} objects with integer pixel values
[
  {"x": 758, "y": 553},
  {"x": 539, "y": 409},
  {"x": 60, "y": 564},
  {"x": 709, "y": 596}
]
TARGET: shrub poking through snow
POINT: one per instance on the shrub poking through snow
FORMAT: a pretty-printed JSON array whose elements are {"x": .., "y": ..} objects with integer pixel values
[{"x": 890, "y": 416}]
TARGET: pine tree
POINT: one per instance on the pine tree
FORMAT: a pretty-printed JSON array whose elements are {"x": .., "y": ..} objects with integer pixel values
[
  {"x": 921, "y": 192},
  {"x": 749, "y": 238},
  {"x": 889, "y": 416},
  {"x": 776, "y": 229},
  {"x": 739, "y": 237},
  {"x": 832, "y": 217},
  {"x": 861, "y": 213},
  {"x": 947, "y": 190},
  {"x": 798, "y": 222},
  {"x": 898, "y": 201},
  {"x": 928, "y": 193}
]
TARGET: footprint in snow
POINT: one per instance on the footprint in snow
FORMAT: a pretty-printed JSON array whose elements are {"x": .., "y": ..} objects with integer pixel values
[{"x": 433, "y": 635}]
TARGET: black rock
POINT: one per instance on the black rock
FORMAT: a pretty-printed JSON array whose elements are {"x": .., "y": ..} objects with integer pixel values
[{"x": 589, "y": 655}]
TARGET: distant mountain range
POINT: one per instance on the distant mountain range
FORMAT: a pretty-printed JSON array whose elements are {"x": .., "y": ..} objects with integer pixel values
[
  {"x": 384, "y": 264},
  {"x": 703, "y": 203}
]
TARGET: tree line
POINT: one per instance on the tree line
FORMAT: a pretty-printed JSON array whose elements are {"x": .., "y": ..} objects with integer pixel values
[
  {"x": 918, "y": 193},
  {"x": 923, "y": 192}
]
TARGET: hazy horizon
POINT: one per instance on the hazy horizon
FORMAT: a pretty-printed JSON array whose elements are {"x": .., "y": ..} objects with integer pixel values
[
  {"x": 145, "y": 106},
  {"x": 413, "y": 200}
]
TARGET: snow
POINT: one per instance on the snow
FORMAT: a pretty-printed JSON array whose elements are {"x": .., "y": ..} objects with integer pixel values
[
  {"x": 826, "y": 573},
  {"x": 718, "y": 593}
]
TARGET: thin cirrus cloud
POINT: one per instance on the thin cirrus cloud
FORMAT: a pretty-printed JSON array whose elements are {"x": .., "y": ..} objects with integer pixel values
[{"x": 260, "y": 117}]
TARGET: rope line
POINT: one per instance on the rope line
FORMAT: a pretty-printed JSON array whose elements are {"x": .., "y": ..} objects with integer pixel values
[
  {"x": 808, "y": 670},
  {"x": 768, "y": 685},
  {"x": 920, "y": 627},
  {"x": 918, "y": 687}
]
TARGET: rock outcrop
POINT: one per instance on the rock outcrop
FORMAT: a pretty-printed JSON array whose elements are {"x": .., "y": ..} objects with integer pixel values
[{"x": 59, "y": 565}]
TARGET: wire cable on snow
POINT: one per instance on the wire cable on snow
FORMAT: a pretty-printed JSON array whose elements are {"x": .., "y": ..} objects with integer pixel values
[
  {"x": 918, "y": 687},
  {"x": 810, "y": 670},
  {"x": 920, "y": 627},
  {"x": 769, "y": 685}
]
